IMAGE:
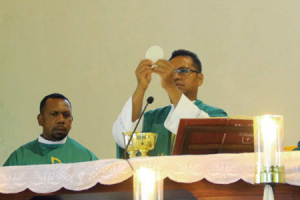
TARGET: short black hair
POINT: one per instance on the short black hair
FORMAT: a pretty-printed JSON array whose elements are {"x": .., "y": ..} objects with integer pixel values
[
  {"x": 52, "y": 96},
  {"x": 182, "y": 52}
]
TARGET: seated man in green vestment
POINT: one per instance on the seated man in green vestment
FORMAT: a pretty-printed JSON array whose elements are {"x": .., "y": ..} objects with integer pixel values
[
  {"x": 53, "y": 145},
  {"x": 180, "y": 78}
]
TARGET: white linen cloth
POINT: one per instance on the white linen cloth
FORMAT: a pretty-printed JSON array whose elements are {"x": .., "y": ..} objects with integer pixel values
[
  {"x": 184, "y": 109},
  {"x": 216, "y": 168}
]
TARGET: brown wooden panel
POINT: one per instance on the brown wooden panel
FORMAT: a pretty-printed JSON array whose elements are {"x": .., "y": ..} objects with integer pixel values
[
  {"x": 224, "y": 135},
  {"x": 203, "y": 190},
  {"x": 239, "y": 190}
]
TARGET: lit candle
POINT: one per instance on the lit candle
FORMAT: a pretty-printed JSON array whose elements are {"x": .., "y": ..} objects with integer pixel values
[
  {"x": 268, "y": 131},
  {"x": 268, "y": 144},
  {"x": 147, "y": 185}
]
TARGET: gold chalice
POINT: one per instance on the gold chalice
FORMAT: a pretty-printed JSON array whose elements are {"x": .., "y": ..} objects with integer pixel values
[{"x": 142, "y": 142}]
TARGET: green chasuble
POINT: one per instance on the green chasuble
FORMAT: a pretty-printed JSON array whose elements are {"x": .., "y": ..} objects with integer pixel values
[
  {"x": 154, "y": 122},
  {"x": 298, "y": 148},
  {"x": 36, "y": 153}
]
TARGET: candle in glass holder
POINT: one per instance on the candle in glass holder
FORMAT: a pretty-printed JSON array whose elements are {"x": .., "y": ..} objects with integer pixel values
[
  {"x": 148, "y": 184},
  {"x": 268, "y": 145}
]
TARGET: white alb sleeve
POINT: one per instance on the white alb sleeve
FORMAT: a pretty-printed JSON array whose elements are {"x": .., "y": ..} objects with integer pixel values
[
  {"x": 124, "y": 123},
  {"x": 184, "y": 109}
]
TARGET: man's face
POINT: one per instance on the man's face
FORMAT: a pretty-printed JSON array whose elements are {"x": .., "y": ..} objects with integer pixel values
[
  {"x": 187, "y": 83},
  {"x": 56, "y": 119}
]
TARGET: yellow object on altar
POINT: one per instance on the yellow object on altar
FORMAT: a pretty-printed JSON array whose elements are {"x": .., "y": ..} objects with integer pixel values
[{"x": 289, "y": 148}]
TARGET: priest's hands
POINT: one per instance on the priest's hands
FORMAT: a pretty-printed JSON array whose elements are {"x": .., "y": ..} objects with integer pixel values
[
  {"x": 166, "y": 72},
  {"x": 143, "y": 74},
  {"x": 162, "y": 67}
]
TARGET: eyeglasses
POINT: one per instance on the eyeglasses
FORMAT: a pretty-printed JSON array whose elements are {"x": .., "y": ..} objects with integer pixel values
[{"x": 184, "y": 71}]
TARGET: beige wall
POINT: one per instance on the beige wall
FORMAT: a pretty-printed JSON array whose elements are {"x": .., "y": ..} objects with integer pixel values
[{"x": 88, "y": 50}]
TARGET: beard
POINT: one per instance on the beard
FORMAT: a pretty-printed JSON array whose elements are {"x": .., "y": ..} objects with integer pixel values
[
  {"x": 59, "y": 132},
  {"x": 59, "y": 136}
]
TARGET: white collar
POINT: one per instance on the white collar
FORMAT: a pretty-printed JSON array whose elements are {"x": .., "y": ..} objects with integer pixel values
[{"x": 44, "y": 141}]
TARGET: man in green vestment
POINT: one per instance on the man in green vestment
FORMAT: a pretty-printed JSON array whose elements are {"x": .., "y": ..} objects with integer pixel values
[
  {"x": 180, "y": 78},
  {"x": 298, "y": 148},
  {"x": 53, "y": 145}
]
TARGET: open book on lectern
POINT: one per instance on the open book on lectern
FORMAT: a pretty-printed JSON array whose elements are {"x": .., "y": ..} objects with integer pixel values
[{"x": 214, "y": 135}]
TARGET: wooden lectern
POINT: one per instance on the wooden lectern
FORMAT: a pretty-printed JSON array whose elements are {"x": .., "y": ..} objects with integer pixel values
[{"x": 214, "y": 135}]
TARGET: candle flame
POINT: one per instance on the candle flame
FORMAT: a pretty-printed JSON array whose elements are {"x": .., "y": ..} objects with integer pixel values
[{"x": 268, "y": 128}]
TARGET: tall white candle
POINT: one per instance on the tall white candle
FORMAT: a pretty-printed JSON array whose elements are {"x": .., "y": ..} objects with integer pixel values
[{"x": 268, "y": 131}]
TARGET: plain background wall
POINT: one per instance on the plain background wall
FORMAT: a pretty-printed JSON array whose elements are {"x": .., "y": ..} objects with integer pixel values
[{"x": 88, "y": 51}]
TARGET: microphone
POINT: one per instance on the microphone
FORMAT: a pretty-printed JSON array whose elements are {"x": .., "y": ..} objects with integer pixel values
[{"x": 149, "y": 101}]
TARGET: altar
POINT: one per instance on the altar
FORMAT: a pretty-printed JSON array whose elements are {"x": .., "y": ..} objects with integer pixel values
[{"x": 207, "y": 177}]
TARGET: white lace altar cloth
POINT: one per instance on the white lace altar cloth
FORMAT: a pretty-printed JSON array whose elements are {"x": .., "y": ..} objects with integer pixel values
[{"x": 217, "y": 168}]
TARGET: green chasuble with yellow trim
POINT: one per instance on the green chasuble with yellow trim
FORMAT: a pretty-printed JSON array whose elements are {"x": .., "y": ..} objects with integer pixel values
[
  {"x": 36, "y": 153},
  {"x": 154, "y": 122},
  {"x": 298, "y": 148}
]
